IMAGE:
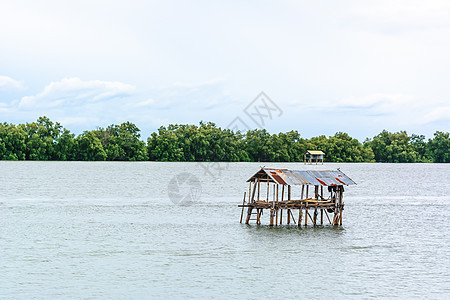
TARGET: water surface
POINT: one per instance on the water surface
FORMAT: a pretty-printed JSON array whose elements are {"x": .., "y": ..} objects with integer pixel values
[{"x": 108, "y": 230}]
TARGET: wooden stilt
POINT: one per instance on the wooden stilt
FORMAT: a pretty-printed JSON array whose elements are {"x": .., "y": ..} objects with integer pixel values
[
  {"x": 321, "y": 216},
  {"x": 277, "y": 193},
  {"x": 292, "y": 215},
  {"x": 289, "y": 216},
  {"x": 312, "y": 220},
  {"x": 306, "y": 216},
  {"x": 315, "y": 216},
  {"x": 242, "y": 212},
  {"x": 249, "y": 214},
  {"x": 271, "y": 216},
  {"x": 274, "y": 197},
  {"x": 252, "y": 200},
  {"x": 300, "y": 212},
  {"x": 259, "y": 184},
  {"x": 326, "y": 214}
]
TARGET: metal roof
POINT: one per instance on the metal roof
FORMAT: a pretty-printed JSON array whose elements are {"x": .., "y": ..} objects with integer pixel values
[
  {"x": 308, "y": 177},
  {"x": 314, "y": 152}
]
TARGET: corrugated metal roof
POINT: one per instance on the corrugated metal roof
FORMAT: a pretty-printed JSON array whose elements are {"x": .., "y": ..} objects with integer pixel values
[
  {"x": 309, "y": 177},
  {"x": 315, "y": 152}
]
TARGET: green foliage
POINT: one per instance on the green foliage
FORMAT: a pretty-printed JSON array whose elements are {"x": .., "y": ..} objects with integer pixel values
[
  {"x": 13, "y": 142},
  {"x": 439, "y": 147},
  {"x": 45, "y": 140},
  {"x": 393, "y": 147},
  {"x": 89, "y": 147},
  {"x": 122, "y": 142}
]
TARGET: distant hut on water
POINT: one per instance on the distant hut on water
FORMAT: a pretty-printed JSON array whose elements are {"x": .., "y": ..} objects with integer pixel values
[{"x": 314, "y": 156}]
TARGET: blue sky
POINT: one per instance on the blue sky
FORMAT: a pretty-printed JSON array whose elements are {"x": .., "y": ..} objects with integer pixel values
[{"x": 353, "y": 66}]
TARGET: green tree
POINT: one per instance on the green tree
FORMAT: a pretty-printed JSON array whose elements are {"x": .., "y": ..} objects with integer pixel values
[
  {"x": 122, "y": 142},
  {"x": 420, "y": 147},
  {"x": 439, "y": 147},
  {"x": 343, "y": 148},
  {"x": 392, "y": 147},
  {"x": 13, "y": 142},
  {"x": 257, "y": 144},
  {"x": 164, "y": 146},
  {"x": 89, "y": 147}
]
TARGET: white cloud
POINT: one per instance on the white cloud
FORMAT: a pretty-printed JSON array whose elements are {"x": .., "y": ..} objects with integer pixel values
[
  {"x": 437, "y": 114},
  {"x": 8, "y": 82},
  {"x": 383, "y": 101},
  {"x": 74, "y": 91},
  {"x": 145, "y": 103}
]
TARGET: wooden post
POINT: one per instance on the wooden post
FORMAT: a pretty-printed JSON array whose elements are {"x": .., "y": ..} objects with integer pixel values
[
  {"x": 249, "y": 191},
  {"x": 307, "y": 192},
  {"x": 315, "y": 216},
  {"x": 316, "y": 192},
  {"x": 303, "y": 189},
  {"x": 242, "y": 211},
  {"x": 321, "y": 192},
  {"x": 271, "y": 216},
  {"x": 268, "y": 183},
  {"x": 306, "y": 215},
  {"x": 249, "y": 214},
  {"x": 341, "y": 205},
  {"x": 252, "y": 200},
  {"x": 321, "y": 216},
  {"x": 289, "y": 216},
  {"x": 299, "y": 218},
  {"x": 259, "y": 184},
  {"x": 276, "y": 192}
]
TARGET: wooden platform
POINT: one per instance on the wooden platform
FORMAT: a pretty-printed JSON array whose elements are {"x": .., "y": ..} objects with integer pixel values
[
  {"x": 271, "y": 190},
  {"x": 294, "y": 211}
]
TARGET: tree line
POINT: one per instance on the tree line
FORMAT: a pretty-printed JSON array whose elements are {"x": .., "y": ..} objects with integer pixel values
[{"x": 46, "y": 140}]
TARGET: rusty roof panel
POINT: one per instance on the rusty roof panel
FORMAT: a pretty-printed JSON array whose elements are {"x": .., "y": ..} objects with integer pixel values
[{"x": 308, "y": 177}]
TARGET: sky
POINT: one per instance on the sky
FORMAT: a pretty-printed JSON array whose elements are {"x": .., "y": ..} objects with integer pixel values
[{"x": 318, "y": 67}]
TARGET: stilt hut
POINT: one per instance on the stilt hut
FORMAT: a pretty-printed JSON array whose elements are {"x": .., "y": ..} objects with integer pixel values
[
  {"x": 318, "y": 193},
  {"x": 313, "y": 156}
]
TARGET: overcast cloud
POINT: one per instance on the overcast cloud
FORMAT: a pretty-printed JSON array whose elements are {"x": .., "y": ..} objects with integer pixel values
[{"x": 353, "y": 66}]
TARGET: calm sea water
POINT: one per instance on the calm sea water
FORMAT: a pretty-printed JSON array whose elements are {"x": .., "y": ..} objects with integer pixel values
[{"x": 109, "y": 230}]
